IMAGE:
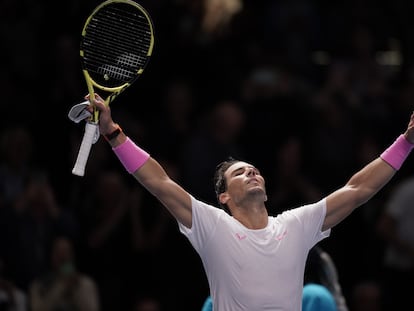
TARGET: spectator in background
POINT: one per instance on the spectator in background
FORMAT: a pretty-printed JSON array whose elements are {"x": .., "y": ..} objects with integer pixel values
[
  {"x": 334, "y": 105},
  {"x": 38, "y": 218},
  {"x": 174, "y": 122},
  {"x": 63, "y": 287},
  {"x": 396, "y": 227},
  {"x": 317, "y": 297},
  {"x": 216, "y": 136},
  {"x": 106, "y": 237},
  {"x": 290, "y": 185},
  {"x": 272, "y": 96},
  {"x": 217, "y": 14},
  {"x": 147, "y": 303},
  {"x": 17, "y": 160},
  {"x": 12, "y": 298},
  {"x": 123, "y": 242},
  {"x": 366, "y": 295},
  {"x": 208, "y": 304}
]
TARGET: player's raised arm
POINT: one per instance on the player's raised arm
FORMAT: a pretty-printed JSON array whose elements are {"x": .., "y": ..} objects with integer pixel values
[
  {"x": 144, "y": 168},
  {"x": 369, "y": 180}
]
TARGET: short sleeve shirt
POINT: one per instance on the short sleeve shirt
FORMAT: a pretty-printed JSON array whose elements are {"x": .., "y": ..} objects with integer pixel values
[{"x": 255, "y": 269}]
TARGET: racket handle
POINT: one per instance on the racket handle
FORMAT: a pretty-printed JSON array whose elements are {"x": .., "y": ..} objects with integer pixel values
[{"x": 85, "y": 148}]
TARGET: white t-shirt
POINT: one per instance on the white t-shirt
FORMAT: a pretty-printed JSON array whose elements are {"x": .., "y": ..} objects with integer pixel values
[{"x": 255, "y": 270}]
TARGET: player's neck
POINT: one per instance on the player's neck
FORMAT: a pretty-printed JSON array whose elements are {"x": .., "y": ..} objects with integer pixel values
[{"x": 254, "y": 217}]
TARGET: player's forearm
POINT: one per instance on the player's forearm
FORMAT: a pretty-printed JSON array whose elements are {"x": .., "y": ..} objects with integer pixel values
[
  {"x": 369, "y": 180},
  {"x": 376, "y": 174},
  {"x": 359, "y": 189},
  {"x": 366, "y": 183},
  {"x": 153, "y": 177},
  {"x": 134, "y": 158}
]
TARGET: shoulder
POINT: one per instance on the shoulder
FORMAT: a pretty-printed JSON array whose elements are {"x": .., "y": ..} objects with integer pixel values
[
  {"x": 318, "y": 207},
  {"x": 200, "y": 207}
]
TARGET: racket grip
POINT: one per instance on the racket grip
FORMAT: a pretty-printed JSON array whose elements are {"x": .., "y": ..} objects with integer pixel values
[{"x": 85, "y": 148}]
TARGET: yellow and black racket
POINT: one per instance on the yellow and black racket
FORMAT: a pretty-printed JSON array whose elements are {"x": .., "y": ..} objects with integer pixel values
[{"x": 116, "y": 45}]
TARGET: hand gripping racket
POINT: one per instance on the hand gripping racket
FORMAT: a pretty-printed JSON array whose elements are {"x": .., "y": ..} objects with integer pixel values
[{"x": 116, "y": 44}]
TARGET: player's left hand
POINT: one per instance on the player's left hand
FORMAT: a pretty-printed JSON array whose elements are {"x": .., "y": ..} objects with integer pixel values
[{"x": 409, "y": 133}]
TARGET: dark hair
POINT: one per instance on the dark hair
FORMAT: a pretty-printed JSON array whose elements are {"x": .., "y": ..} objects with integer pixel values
[{"x": 220, "y": 184}]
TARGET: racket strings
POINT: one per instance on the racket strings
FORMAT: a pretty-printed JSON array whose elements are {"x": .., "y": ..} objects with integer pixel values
[
  {"x": 116, "y": 44},
  {"x": 124, "y": 31}
]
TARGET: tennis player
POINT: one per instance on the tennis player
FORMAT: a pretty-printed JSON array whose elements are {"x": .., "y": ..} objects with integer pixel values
[{"x": 253, "y": 261}]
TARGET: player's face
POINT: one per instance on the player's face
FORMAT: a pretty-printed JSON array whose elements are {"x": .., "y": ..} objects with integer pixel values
[{"x": 244, "y": 179}]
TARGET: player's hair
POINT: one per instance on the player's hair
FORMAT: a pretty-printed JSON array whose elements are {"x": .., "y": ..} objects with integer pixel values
[{"x": 220, "y": 184}]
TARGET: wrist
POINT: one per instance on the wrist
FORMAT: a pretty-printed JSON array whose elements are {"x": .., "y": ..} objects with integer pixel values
[
  {"x": 109, "y": 129},
  {"x": 131, "y": 156},
  {"x": 396, "y": 154},
  {"x": 113, "y": 133}
]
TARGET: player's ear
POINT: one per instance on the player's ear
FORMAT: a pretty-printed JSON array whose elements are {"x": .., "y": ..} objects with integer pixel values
[{"x": 223, "y": 198}]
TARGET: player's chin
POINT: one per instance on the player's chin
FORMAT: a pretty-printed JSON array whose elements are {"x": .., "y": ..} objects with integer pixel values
[{"x": 257, "y": 191}]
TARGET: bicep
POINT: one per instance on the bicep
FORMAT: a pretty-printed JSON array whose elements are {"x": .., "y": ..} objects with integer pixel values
[
  {"x": 177, "y": 201},
  {"x": 358, "y": 190},
  {"x": 339, "y": 205}
]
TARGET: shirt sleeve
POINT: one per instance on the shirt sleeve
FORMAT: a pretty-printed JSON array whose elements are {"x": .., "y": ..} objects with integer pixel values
[
  {"x": 204, "y": 222},
  {"x": 311, "y": 218}
]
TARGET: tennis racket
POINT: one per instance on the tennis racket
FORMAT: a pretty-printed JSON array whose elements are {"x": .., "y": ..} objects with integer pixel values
[{"x": 116, "y": 44}]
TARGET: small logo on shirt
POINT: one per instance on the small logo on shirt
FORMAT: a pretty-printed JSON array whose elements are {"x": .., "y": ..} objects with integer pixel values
[
  {"x": 281, "y": 236},
  {"x": 241, "y": 236}
]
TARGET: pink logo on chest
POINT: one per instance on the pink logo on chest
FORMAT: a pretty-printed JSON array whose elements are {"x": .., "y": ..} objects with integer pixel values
[
  {"x": 241, "y": 236},
  {"x": 281, "y": 236}
]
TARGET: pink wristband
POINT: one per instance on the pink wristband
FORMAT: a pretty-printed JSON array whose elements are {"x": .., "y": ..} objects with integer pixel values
[
  {"x": 396, "y": 154},
  {"x": 131, "y": 156}
]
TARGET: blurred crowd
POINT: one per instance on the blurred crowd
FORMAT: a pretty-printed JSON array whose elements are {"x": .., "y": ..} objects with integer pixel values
[{"x": 308, "y": 91}]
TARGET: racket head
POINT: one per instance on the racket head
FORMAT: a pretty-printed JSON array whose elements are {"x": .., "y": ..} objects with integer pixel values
[{"x": 116, "y": 44}]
